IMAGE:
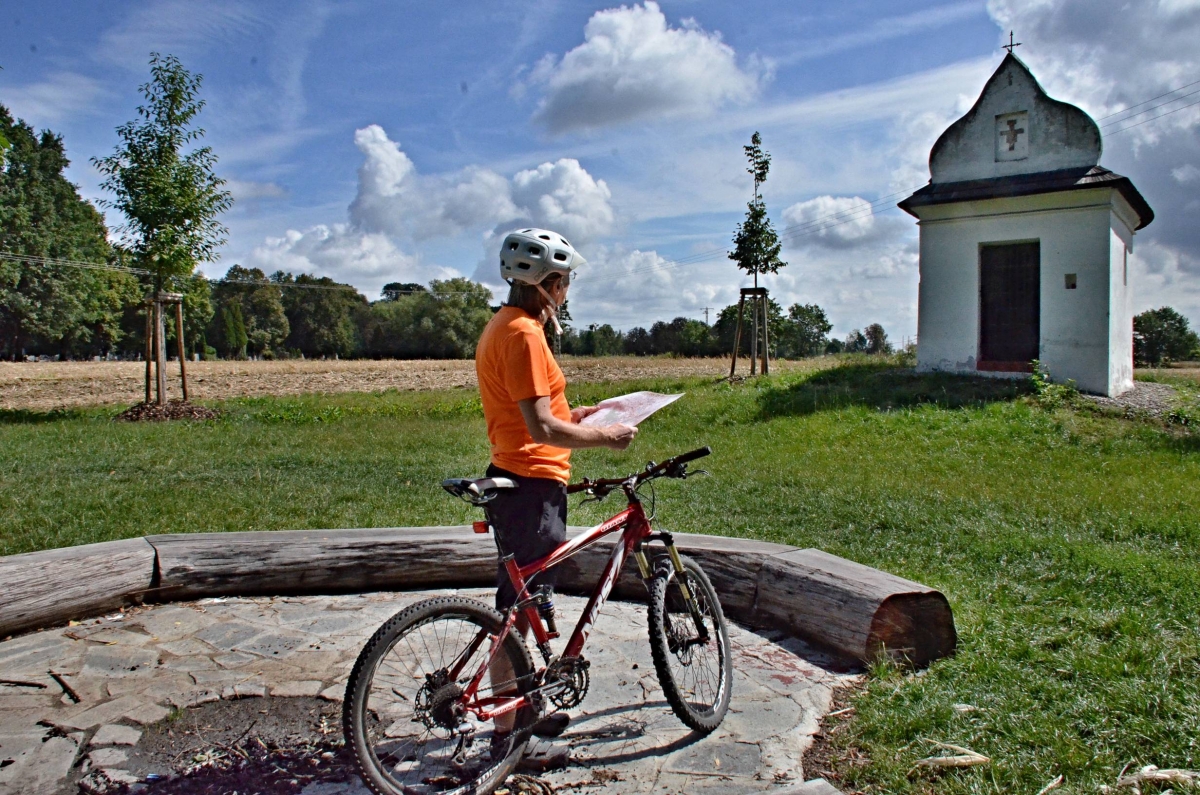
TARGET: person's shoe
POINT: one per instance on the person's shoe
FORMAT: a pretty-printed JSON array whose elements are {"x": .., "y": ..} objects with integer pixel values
[
  {"x": 552, "y": 725},
  {"x": 543, "y": 755},
  {"x": 501, "y": 745}
]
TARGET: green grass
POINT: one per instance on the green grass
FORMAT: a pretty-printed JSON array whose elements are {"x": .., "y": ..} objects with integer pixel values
[{"x": 1066, "y": 541}]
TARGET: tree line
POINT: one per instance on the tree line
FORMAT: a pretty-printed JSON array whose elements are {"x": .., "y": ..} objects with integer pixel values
[{"x": 52, "y": 303}]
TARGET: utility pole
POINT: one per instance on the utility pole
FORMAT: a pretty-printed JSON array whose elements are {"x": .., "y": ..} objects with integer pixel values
[{"x": 706, "y": 314}]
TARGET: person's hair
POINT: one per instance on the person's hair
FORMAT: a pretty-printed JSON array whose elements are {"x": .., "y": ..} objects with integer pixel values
[{"x": 529, "y": 298}]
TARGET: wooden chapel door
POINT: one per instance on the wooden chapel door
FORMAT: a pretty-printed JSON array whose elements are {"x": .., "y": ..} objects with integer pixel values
[{"x": 1009, "y": 306}]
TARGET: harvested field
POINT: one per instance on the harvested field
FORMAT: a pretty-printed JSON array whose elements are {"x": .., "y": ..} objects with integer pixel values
[{"x": 42, "y": 386}]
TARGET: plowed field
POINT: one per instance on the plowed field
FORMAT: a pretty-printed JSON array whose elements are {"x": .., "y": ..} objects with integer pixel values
[{"x": 51, "y": 385}]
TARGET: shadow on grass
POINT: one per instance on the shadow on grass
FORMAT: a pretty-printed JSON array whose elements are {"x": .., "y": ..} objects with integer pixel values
[
  {"x": 29, "y": 417},
  {"x": 884, "y": 386}
]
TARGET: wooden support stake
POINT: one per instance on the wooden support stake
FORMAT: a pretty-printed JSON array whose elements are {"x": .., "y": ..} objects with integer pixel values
[
  {"x": 179, "y": 341},
  {"x": 149, "y": 346},
  {"x": 754, "y": 338},
  {"x": 766, "y": 355},
  {"x": 737, "y": 337},
  {"x": 160, "y": 353}
]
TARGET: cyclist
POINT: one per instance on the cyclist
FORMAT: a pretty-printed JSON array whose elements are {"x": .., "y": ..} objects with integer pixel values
[{"x": 530, "y": 426}]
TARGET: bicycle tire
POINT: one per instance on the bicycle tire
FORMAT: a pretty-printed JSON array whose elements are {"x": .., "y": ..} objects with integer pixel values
[
  {"x": 361, "y": 722},
  {"x": 701, "y": 705}
]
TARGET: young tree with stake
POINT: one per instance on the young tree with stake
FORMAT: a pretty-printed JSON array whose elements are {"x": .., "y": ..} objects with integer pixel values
[
  {"x": 170, "y": 199},
  {"x": 756, "y": 245}
]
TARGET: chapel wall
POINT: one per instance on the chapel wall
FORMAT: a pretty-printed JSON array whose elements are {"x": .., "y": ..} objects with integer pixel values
[
  {"x": 1120, "y": 342},
  {"x": 1074, "y": 333}
]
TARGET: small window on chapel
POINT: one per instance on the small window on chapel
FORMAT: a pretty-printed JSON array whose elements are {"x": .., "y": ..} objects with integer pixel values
[
  {"x": 1012, "y": 136},
  {"x": 1070, "y": 281}
]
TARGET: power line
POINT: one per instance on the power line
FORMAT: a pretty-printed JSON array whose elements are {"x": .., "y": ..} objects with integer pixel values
[
  {"x": 790, "y": 233},
  {"x": 1160, "y": 96},
  {"x": 1152, "y": 107},
  {"x": 27, "y": 259},
  {"x": 821, "y": 223},
  {"x": 1156, "y": 118}
]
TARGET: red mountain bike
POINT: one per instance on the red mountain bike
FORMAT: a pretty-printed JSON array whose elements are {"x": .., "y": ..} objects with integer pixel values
[{"x": 422, "y": 703}]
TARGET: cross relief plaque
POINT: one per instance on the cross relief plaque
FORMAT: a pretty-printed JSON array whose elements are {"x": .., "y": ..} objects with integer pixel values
[{"x": 1012, "y": 136}]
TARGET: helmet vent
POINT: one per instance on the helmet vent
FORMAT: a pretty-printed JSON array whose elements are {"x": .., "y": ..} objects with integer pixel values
[
  {"x": 513, "y": 246},
  {"x": 544, "y": 237},
  {"x": 534, "y": 251},
  {"x": 523, "y": 266},
  {"x": 560, "y": 256}
]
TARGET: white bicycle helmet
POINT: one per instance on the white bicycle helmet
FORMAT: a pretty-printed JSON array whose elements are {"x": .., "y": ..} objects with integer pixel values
[{"x": 530, "y": 255}]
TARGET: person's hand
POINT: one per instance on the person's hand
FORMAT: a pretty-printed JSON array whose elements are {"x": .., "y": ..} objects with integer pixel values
[
  {"x": 581, "y": 412},
  {"x": 619, "y": 435}
]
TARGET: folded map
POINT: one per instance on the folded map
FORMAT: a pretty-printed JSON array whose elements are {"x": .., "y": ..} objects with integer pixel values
[{"x": 629, "y": 409}]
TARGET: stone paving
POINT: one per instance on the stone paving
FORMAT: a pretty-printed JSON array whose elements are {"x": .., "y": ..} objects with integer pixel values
[{"x": 76, "y": 699}]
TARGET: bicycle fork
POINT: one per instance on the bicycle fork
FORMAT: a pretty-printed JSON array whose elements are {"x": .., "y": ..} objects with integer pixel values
[{"x": 680, "y": 576}]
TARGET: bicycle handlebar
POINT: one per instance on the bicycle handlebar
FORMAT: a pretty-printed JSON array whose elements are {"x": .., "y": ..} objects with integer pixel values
[{"x": 651, "y": 471}]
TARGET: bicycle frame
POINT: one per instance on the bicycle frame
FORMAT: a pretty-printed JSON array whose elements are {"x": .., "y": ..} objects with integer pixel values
[{"x": 634, "y": 527}]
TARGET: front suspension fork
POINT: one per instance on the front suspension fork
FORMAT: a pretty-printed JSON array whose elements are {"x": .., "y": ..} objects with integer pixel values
[{"x": 677, "y": 562}]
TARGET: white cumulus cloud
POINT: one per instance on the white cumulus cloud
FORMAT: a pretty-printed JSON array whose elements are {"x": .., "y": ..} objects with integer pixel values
[
  {"x": 396, "y": 209},
  {"x": 395, "y": 199},
  {"x": 633, "y": 65},
  {"x": 368, "y": 260},
  {"x": 564, "y": 197},
  {"x": 629, "y": 287},
  {"x": 832, "y": 221}
]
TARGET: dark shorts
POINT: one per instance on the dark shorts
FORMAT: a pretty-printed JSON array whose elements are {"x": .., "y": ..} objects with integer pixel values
[{"x": 529, "y": 521}]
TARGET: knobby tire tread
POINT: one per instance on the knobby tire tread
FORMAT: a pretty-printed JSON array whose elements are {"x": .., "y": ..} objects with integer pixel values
[
  {"x": 664, "y": 572},
  {"x": 377, "y": 647}
]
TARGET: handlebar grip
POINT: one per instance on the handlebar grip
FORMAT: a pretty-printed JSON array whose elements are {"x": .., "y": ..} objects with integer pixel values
[{"x": 692, "y": 456}]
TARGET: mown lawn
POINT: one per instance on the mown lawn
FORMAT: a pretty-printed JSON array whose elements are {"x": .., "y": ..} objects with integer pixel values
[{"x": 1066, "y": 541}]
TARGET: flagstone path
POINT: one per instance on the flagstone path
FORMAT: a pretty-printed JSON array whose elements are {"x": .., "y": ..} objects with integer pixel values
[{"x": 76, "y": 701}]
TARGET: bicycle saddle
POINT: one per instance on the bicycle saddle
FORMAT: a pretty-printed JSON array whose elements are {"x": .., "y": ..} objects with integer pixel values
[{"x": 477, "y": 490}]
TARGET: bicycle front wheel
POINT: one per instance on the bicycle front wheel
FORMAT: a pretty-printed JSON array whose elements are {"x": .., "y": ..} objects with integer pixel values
[
  {"x": 689, "y": 642},
  {"x": 401, "y": 714}
]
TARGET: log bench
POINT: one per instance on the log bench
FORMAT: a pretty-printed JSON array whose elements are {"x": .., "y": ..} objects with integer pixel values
[{"x": 854, "y": 610}]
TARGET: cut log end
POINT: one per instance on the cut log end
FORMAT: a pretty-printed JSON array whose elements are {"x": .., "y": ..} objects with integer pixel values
[{"x": 913, "y": 629}]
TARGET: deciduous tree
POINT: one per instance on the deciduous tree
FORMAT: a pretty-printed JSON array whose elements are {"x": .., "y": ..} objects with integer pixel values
[
  {"x": 51, "y": 305},
  {"x": 171, "y": 198},
  {"x": 1163, "y": 335}
]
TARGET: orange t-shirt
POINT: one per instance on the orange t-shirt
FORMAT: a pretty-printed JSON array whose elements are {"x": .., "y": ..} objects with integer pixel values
[{"x": 513, "y": 363}]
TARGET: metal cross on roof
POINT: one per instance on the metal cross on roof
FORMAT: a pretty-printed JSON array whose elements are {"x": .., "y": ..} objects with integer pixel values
[{"x": 1010, "y": 44}]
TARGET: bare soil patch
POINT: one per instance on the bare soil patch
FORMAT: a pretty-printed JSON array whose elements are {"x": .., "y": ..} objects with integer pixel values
[
  {"x": 171, "y": 410},
  {"x": 44, "y": 386}
]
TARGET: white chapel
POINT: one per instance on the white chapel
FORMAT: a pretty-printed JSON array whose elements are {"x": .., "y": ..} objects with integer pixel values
[{"x": 1025, "y": 243}]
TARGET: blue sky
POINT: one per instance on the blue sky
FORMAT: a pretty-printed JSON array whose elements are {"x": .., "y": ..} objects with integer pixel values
[{"x": 376, "y": 142}]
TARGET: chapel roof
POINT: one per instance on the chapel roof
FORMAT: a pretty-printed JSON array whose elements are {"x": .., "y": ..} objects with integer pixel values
[
  {"x": 1014, "y": 127},
  {"x": 1029, "y": 185},
  {"x": 1016, "y": 140}
]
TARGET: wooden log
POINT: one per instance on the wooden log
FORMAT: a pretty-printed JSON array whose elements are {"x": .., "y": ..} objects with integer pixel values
[
  {"x": 42, "y": 589},
  {"x": 854, "y": 609},
  {"x": 731, "y": 564},
  {"x": 283, "y": 562},
  {"x": 847, "y": 607}
]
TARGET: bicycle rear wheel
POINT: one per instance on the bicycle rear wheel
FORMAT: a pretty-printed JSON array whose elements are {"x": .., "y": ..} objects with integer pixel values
[
  {"x": 694, "y": 663},
  {"x": 399, "y": 716}
]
